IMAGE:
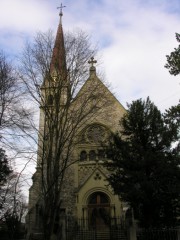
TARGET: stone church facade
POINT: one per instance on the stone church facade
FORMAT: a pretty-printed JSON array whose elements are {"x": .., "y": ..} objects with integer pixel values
[{"x": 86, "y": 194}]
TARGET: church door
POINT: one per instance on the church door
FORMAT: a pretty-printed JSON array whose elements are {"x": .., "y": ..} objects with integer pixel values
[{"x": 99, "y": 211}]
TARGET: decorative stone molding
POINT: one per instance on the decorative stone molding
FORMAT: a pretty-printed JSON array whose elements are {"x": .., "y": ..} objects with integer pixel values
[
  {"x": 94, "y": 134},
  {"x": 97, "y": 176}
]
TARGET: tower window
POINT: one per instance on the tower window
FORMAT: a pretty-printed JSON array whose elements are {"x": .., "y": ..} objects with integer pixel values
[
  {"x": 83, "y": 156},
  {"x": 50, "y": 100}
]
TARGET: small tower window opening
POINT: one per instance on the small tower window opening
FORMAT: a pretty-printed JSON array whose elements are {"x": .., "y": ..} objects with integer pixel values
[
  {"x": 92, "y": 155},
  {"x": 83, "y": 156},
  {"x": 50, "y": 100}
]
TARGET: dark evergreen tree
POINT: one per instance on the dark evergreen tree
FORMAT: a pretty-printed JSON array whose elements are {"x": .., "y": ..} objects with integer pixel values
[
  {"x": 173, "y": 60},
  {"x": 145, "y": 167},
  {"x": 172, "y": 120}
]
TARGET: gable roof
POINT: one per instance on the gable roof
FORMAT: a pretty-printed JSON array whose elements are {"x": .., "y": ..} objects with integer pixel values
[{"x": 95, "y": 83}]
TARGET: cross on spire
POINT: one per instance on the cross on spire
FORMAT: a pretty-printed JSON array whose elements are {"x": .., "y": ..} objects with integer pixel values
[
  {"x": 92, "y": 61},
  {"x": 60, "y": 12}
]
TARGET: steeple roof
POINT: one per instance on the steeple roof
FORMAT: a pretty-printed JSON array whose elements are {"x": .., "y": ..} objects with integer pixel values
[{"x": 58, "y": 61}]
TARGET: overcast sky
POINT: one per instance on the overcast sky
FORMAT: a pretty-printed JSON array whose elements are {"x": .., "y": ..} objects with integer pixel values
[{"x": 133, "y": 36}]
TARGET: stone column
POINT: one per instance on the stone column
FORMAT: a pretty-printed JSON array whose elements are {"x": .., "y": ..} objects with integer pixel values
[
  {"x": 131, "y": 225},
  {"x": 132, "y": 232}
]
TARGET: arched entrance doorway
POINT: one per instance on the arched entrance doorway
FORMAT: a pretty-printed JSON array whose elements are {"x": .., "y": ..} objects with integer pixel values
[{"x": 99, "y": 211}]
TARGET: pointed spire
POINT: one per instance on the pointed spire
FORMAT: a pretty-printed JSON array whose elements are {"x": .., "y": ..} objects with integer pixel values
[
  {"x": 61, "y": 13},
  {"x": 58, "y": 61}
]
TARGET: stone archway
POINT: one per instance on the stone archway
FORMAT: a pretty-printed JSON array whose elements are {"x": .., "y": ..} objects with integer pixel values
[{"x": 99, "y": 211}]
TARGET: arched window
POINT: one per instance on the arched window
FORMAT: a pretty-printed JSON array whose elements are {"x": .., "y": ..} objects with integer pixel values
[
  {"x": 83, "y": 156},
  {"x": 101, "y": 154},
  {"x": 92, "y": 155}
]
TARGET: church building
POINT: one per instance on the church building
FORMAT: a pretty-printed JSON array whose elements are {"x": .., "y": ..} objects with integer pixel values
[{"x": 74, "y": 131}]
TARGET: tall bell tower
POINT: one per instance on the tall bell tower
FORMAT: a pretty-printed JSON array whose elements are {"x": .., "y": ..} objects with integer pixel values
[{"x": 54, "y": 96}]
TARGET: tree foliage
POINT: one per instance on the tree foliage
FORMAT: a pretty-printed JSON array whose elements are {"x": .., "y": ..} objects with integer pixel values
[
  {"x": 172, "y": 120},
  {"x": 146, "y": 171},
  {"x": 15, "y": 114},
  {"x": 173, "y": 60},
  {"x": 12, "y": 203},
  {"x": 5, "y": 168},
  {"x": 15, "y": 119}
]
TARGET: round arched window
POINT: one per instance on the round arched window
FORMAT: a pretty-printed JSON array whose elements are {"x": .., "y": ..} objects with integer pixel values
[
  {"x": 83, "y": 156},
  {"x": 101, "y": 154},
  {"x": 92, "y": 155},
  {"x": 96, "y": 134}
]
